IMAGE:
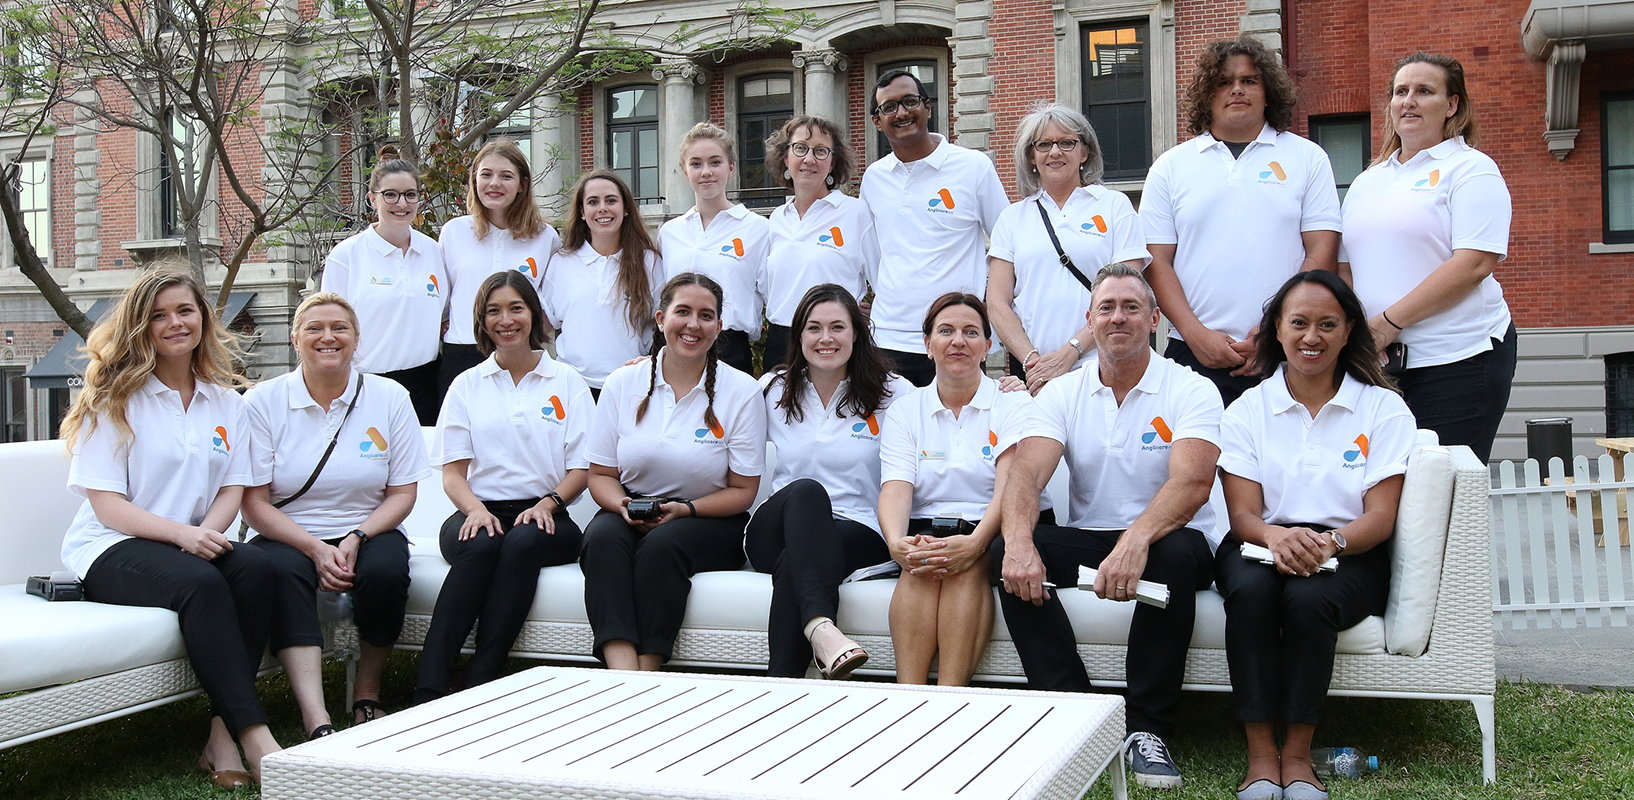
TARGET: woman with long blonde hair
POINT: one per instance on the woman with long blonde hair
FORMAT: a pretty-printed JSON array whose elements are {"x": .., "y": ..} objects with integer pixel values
[{"x": 160, "y": 453}]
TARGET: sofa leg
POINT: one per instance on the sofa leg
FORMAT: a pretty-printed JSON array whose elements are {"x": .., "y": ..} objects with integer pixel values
[
  {"x": 1120, "y": 785},
  {"x": 1486, "y": 715}
]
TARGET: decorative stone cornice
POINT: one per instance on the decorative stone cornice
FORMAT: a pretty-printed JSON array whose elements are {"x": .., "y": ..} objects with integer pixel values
[
  {"x": 680, "y": 72},
  {"x": 811, "y": 60}
]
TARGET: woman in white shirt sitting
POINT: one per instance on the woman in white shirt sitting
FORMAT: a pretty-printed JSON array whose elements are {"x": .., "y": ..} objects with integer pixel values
[
  {"x": 511, "y": 444},
  {"x": 819, "y": 525},
  {"x": 1314, "y": 458},
  {"x": 942, "y": 465},
  {"x": 504, "y": 230},
  {"x": 675, "y": 454},
  {"x": 602, "y": 287},
  {"x": 161, "y": 455},
  {"x": 336, "y": 459}
]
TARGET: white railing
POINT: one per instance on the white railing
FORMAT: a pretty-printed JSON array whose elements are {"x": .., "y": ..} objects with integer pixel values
[{"x": 1560, "y": 547}]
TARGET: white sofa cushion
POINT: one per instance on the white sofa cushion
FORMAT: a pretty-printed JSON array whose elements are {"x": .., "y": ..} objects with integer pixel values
[
  {"x": 44, "y": 644},
  {"x": 1420, "y": 545},
  {"x": 38, "y": 509}
]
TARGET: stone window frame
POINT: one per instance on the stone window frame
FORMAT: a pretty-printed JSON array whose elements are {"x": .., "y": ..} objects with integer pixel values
[
  {"x": 870, "y": 75},
  {"x": 1072, "y": 15}
]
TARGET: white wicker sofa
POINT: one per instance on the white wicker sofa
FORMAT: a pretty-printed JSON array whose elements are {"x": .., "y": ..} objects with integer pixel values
[{"x": 67, "y": 665}]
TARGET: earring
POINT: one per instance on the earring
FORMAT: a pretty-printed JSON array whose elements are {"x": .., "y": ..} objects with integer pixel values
[
  {"x": 787, "y": 176},
  {"x": 829, "y": 181}
]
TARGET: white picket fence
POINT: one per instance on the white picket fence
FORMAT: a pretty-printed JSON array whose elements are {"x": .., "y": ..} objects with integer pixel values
[{"x": 1560, "y": 551}]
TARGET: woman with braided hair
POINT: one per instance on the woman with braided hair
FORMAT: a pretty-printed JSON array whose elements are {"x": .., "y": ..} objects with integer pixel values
[{"x": 676, "y": 451}]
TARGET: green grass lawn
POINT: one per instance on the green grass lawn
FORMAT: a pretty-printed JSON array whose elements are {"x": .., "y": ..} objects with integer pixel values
[{"x": 1552, "y": 743}]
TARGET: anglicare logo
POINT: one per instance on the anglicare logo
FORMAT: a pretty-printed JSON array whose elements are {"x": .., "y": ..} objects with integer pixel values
[
  {"x": 220, "y": 441},
  {"x": 870, "y": 424},
  {"x": 555, "y": 412},
  {"x": 714, "y": 430},
  {"x": 431, "y": 287},
  {"x": 530, "y": 268},
  {"x": 992, "y": 444},
  {"x": 1158, "y": 430},
  {"x": 1357, "y": 458},
  {"x": 1428, "y": 183},
  {"x": 734, "y": 249},
  {"x": 833, "y": 237},
  {"x": 373, "y": 446},
  {"x": 1273, "y": 170},
  {"x": 942, "y": 202},
  {"x": 1096, "y": 224}
]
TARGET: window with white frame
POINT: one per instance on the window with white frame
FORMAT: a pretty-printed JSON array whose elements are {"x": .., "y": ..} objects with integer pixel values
[
  {"x": 25, "y": 67},
  {"x": 30, "y": 188},
  {"x": 765, "y": 103},
  {"x": 1617, "y": 166},
  {"x": 632, "y": 139},
  {"x": 176, "y": 176}
]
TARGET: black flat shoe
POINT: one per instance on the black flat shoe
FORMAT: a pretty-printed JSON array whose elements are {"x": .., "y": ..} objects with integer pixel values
[
  {"x": 370, "y": 709},
  {"x": 321, "y": 731}
]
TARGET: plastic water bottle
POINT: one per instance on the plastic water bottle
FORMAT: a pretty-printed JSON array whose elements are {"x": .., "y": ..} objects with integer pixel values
[{"x": 1342, "y": 762}]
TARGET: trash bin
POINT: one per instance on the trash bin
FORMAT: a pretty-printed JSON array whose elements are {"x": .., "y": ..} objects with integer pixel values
[{"x": 1549, "y": 438}]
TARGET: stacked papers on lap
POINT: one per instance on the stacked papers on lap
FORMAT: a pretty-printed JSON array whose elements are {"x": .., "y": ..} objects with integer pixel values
[
  {"x": 1148, "y": 592},
  {"x": 1254, "y": 552}
]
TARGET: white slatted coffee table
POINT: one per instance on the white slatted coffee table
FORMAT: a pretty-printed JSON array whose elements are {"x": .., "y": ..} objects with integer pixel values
[{"x": 556, "y": 732}]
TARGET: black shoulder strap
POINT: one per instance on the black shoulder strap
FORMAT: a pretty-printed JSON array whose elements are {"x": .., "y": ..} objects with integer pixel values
[
  {"x": 313, "y": 478},
  {"x": 1066, "y": 260}
]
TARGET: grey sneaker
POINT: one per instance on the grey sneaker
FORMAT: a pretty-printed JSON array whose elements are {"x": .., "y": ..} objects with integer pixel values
[{"x": 1148, "y": 758}]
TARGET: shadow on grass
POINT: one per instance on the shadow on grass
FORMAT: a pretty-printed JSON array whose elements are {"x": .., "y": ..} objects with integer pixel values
[{"x": 1552, "y": 743}]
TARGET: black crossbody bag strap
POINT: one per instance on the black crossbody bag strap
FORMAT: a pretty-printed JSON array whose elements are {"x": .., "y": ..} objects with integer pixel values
[
  {"x": 1066, "y": 260},
  {"x": 313, "y": 478}
]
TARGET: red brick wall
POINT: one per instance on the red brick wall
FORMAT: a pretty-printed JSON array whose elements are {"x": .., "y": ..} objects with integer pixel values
[{"x": 1023, "y": 70}]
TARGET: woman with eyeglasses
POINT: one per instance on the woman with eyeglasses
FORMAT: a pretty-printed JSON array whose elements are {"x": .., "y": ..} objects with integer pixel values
[
  {"x": 393, "y": 276},
  {"x": 1038, "y": 304},
  {"x": 821, "y": 235}
]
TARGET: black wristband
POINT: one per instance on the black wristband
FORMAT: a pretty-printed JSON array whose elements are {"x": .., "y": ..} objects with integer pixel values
[
  {"x": 1392, "y": 322},
  {"x": 361, "y": 536},
  {"x": 560, "y": 504},
  {"x": 692, "y": 510}
]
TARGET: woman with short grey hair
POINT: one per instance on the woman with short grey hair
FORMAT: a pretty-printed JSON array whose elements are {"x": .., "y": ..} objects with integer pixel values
[{"x": 1045, "y": 248}]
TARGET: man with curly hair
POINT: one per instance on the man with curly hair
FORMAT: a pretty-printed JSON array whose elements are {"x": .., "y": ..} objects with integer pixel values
[{"x": 1232, "y": 213}]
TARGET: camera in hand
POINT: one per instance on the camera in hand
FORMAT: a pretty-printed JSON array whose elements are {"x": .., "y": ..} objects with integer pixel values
[
  {"x": 645, "y": 509},
  {"x": 950, "y": 526}
]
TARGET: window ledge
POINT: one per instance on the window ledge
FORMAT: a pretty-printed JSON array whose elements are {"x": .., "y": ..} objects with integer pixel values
[{"x": 1601, "y": 248}]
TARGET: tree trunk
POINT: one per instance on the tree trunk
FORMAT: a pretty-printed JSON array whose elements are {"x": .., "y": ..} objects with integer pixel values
[{"x": 28, "y": 260}]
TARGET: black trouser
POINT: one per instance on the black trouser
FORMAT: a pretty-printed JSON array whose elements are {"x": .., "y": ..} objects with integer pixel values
[
  {"x": 1281, "y": 629},
  {"x": 456, "y": 358},
  {"x": 796, "y": 538},
  {"x": 732, "y": 347},
  {"x": 1231, "y": 386},
  {"x": 421, "y": 383},
  {"x": 380, "y": 589},
  {"x": 776, "y": 347},
  {"x": 491, "y": 578},
  {"x": 1463, "y": 402},
  {"x": 222, "y": 608},
  {"x": 636, "y": 587},
  {"x": 916, "y": 367},
  {"x": 1155, "y": 664}
]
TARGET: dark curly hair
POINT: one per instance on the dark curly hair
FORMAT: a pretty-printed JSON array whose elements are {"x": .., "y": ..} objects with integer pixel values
[{"x": 1210, "y": 76}]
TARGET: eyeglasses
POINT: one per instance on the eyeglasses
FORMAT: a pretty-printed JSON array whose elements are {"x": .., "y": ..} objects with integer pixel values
[
  {"x": 391, "y": 196},
  {"x": 909, "y": 103},
  {"x": 800, "y": 149},
  {"x": 1066, "y": 145}
]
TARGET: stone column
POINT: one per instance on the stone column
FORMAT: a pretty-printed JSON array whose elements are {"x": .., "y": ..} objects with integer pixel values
[
  {"x": 825, "y": 87},
  {"x": 681, "y": 81},
  {"x": 87, "y": 188},
  {"x": 551, "y": 152}
]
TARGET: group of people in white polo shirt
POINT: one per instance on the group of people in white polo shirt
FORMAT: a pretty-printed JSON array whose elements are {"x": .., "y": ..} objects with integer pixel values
[{"x": 1285, "y": 394}]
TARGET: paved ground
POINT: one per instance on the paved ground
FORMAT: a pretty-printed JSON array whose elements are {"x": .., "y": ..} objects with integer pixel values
[{"x": 1579, "y": 656}]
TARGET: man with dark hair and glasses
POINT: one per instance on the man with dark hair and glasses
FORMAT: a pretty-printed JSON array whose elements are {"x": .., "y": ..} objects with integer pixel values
[{"x": 933, "y": 204}]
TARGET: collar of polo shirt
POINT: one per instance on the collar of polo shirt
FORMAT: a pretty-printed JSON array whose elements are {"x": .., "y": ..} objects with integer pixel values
[
  {"x": 986, "y": 395},
  {"x": 1280, "y": 400},
  {"x": 379, "y": 244},
  {"x": 937, "y": 157},
  {"x": 1268, "y": 135},
  {"x": 544, "y": 369},
  {"x": 1440, "y": 151},
  {"x": 302, "y": 397},
  {"x": 1150, "y": 381}
]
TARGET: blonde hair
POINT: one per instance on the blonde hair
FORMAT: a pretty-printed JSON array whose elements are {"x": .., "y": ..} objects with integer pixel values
[
  {"x": 315, "y": 300},
  {"x": 522, "y": 218},
  {"x": 711, "y": 132},
  {"x": 1461, "y": 123},
  {"x": 121, "y": 354}
]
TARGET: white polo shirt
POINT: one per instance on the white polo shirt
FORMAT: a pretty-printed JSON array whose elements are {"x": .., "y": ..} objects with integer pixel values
[
  {"x": 1402, "y": 221},
  {"x": 470, "y": 261},
  {"x": 952, "y": 462},
  {"x": 583, "y": 300},
  {"x": 1097, "y": 227},
  {"x": 841, "y": 452},
  {"x": 732, "y": 251},
  {"x": 931, "y": 217},
  {"x": 522, "y": 438},
  {"x": 673, "y": 452},
  {"x": 1316, "y": 470},
  {"x": 380, "y": 446},
  {"x": 1236, "y": 222},
  {"x": 1118, "y": 455},
  {"x": 400, "y": 300},
  {"x": 173, "y": 464},
  {"x": 833, "y": 243}
]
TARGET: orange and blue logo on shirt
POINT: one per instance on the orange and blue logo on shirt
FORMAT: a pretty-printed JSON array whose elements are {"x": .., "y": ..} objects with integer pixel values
[
  {"x": 992, "y": 444},
  {"x": 432, "y": 288},
  {"x": 373, "y": 446},
  {"x": 555, "y": 412},
  {"x": 1096, "y": 224},
  {"x": 1276, "y": 169},
  {"x": 733, "y": 249},
  {"x": 530, "y": 268},
  {"x": 870, "y": 423},
  {"x": 943, "y": 201},
  {"x": 714, "y": 430},
  {"x": 1428, "y": 183},
  {"x": 1358, "y": 457},
  {"x": 220, "y": 441},
  {"x": 832, "y": 237},
  {"x": 1159, "y": 430}
]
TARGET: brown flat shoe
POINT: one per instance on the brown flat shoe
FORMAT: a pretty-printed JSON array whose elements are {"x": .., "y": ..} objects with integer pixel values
[{"x": 225, "y": 778}]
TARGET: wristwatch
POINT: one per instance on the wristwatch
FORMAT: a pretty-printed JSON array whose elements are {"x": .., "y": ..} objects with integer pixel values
[
  {"x": 1076, "y": 345},
  {"x": 361, "y": 536},
  {"x": 1338, "y": 541}
]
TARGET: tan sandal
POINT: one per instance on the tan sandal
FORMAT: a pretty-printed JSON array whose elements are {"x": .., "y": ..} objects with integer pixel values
[
  {"x": 225, "y": 778},
  {"x": 838, "y": 655}
]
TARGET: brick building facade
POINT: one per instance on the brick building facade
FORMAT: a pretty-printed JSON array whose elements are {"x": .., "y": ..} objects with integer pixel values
[{"x": 1551, "y": 82}]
